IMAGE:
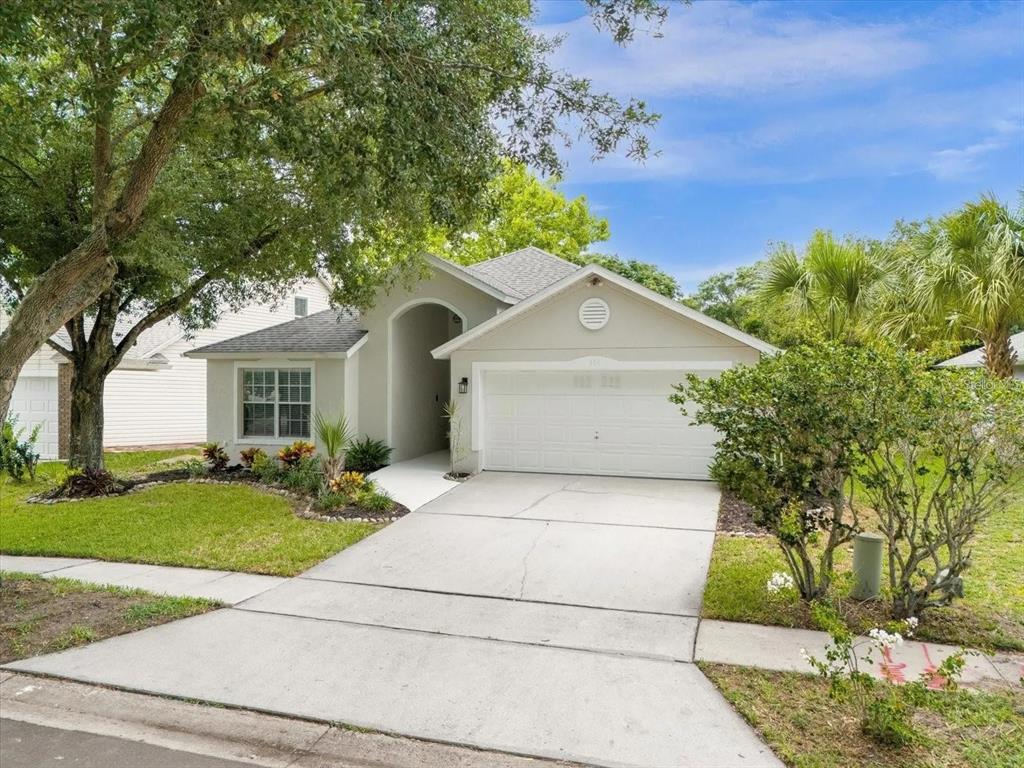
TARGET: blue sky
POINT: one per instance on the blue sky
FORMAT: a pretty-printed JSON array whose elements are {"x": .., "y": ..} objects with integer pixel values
[{"x": 782, "y": 117}]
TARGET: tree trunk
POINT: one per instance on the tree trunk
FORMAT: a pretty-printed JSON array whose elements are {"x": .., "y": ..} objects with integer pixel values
[
  {"x": 63, "y": 291},
  {"x": 999, "y": 356},
  {"x": 86, "y": 450}
]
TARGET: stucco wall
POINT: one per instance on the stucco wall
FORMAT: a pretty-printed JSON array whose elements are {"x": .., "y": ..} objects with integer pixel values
[
  {"x": 223, "y": 391},
  {"x": 637, "y": 330},
  {"x": 474, "y": 305}
]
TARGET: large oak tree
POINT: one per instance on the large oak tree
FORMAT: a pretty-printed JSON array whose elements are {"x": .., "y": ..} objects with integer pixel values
[{"x": 387, "y": 115}]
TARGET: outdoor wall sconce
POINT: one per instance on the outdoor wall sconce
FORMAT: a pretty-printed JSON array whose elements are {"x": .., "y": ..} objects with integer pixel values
[{"x": 463, "y": 385}]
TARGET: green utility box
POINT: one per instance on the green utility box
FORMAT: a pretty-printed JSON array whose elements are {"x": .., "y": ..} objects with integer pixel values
[{"x": 867, "y": 565}]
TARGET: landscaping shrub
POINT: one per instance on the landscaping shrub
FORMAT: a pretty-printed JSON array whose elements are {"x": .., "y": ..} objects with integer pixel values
[
  {"x": 334, "y": 436},
  {"x": 292, "y": 455},
  {"x": 331, "y": 500},
  {"x": 792, "y": 429},
  {"x": 367, "y": 455},
  {"x": 251, "y": 455},
  {"x": 304, "y": 476},
  {"x": 90, "y": 482},
  {"x": 886, "y": 710},
  {"x": 949, "y": 455},
  {"x": 195, "y": 468},
  {"x": 17, "y": 456},
  {"x": 348, "y": 484},
  {"x": 372, "y": 499},
  {"x": 265, "y": 469},
  {"x": 215, "y": 454}
]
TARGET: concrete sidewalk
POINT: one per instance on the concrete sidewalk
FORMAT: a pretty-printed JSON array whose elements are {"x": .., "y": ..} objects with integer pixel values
[
  {"x": 417, "y": 481},
  {"x": 779, "y": 648},
  {"x": 223, "y": 586}
]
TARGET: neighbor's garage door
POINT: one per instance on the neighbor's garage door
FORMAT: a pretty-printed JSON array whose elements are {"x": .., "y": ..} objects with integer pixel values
[
  {"x": 35, "y": 403},
  {"x": 603, "y": 423}
]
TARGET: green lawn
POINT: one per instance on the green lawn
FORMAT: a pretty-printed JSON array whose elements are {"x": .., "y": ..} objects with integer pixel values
[
  {"x": 199, "y": 525},
  {"x": 991, "y": 615},
  {"x": 807, "y": 729}
]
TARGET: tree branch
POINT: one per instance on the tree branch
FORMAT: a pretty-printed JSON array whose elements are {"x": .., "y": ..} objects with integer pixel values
[{"x": 21, "y": 171}]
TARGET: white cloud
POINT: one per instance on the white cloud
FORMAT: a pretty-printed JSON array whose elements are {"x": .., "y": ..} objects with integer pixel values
[
  {"x": 727, "y": 47},
  {"x": 954, "y": 163}
]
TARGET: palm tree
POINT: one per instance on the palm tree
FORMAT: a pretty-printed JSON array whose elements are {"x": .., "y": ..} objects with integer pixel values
[
  {"x": 833, "y": 284},
  {"x": 966, "y": 271}
]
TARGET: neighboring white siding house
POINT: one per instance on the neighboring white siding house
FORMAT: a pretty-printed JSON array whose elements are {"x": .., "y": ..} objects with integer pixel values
[{"x": 157, "y": 396}]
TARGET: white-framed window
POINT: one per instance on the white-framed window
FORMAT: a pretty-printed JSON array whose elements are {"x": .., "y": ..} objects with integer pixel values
[
  {"x": 277, "y": 402},
  {"x": 301, "y": 306}
]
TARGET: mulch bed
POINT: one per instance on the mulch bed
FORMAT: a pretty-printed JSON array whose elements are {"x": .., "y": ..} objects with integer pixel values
[
  {"x": 305, "y": 507},
  {"x": 736, "y": 517}
]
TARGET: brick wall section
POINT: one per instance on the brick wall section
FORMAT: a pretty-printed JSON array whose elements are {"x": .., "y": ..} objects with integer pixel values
[{"x": 63, "y": 410}]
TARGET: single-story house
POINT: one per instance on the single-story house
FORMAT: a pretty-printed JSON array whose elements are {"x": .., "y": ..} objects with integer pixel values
[
  {"x": 976, "y": 357},
  {"x": 553, "y": 367},
  {"x": 157, "y": 395}
]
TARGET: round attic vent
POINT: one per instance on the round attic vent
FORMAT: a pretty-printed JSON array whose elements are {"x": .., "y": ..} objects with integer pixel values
[{"x": 594, "y": 314}]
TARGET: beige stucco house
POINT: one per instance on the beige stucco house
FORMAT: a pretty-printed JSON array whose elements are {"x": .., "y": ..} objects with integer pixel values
[{"x": 554, "y": 367}]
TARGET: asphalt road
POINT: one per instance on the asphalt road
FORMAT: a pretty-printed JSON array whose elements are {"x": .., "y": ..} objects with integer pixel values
[{"x": 23, "y": 745}]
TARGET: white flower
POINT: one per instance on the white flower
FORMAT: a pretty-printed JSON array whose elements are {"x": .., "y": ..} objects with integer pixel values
[
  {"x": 911, "y": 624},
  {"x": 806, "y": 656},
  {"x": 778, "y": 582},
  {"x": 883, "y": 639}
]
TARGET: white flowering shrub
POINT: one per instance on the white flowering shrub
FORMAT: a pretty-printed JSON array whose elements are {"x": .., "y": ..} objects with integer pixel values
[{"x": 886, "y": 709}]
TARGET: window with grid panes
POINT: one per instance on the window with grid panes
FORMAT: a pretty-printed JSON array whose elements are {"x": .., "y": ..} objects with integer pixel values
[{"x": 276, "y": 402}]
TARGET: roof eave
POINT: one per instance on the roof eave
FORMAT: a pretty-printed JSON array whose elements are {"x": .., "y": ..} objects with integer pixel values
[
  {"x": 444, "y": 351},
  {"x": 293, "y": 354}
]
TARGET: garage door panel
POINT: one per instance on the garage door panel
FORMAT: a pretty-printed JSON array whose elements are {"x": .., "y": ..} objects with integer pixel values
[
  {"x": 616, "y": 423},
  {"x": 35, "y": 403}
]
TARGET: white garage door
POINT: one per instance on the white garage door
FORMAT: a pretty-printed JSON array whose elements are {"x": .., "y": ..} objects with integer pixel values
[
  {"x": 35, "y": 403},
  {"x": 583, "y": 422}
]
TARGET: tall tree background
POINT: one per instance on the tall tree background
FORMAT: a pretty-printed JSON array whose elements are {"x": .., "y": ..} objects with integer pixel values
[{"x": 391, "y": 116}]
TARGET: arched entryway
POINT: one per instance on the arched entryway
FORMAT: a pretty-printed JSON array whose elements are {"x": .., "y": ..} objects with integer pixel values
[{"x": 419, "y": 385}]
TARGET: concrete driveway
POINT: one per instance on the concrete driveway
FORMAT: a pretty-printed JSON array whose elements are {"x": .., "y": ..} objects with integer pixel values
[{"x": 543, "y": 615}]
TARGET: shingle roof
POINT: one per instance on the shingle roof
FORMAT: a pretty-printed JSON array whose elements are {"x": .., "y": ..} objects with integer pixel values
[
  {"x": 332, "y": 330},
  {"x": 524, "y": 272},
  {"x": 975, "y": 358}
]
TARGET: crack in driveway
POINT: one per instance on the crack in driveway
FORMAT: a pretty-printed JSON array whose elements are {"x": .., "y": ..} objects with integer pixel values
[{"x": 526, "y": 559}]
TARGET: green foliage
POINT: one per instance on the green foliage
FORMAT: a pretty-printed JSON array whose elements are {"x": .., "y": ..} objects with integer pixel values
[
  {"x": 249, "y": 143},
  {"x": 949, "y": 453},
  {"x": 251, "y": 455},
  {"x": 374, "y": 499},
  {"x": 367, "y": 455},
  {"x": 335, "y": 436},
  {"x": 522, "y": 210},
  {"x": 217, "y": 457},
  {"x": 959, "y": 277},
  {"x": 885, "y": 710},
  {"x": 298, "y": 451},
  {"x": 834, "y": 284},
  {"x": 208, "y": 525},
  {"x": 793, "y": 428},
  {"x": 87, "y": 483},
  {"x": 648, "y": 275},
  {"x": 265, "y": 469},
  {"x": 304, "y": 475},
  {"x": 17, "y": 456},
  {"x": 196, "y": 468},
  {"x": 731, "y": 298}
]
